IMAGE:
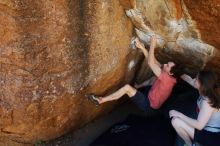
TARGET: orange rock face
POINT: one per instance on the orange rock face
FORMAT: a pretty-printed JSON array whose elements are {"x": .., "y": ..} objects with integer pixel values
[
  {"x": 54, "y": 52},
  {"x": 128, "y": 4},
  {"x": 206, "y": 15}
]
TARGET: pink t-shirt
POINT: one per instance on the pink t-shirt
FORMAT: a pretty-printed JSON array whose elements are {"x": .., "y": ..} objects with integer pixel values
[{"x": 161, "y": 90}]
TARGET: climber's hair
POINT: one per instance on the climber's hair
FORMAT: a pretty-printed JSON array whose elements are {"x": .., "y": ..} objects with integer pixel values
[
  {"x": 176, "y": 70},
  {"x": 209, "y": 87}
]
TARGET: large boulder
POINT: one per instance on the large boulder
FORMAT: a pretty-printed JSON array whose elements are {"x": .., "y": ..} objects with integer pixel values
[
  {"x": 206, "y": 17},
  {"x": 181, "y": 37},
  {"x": 53, "y": 52}
]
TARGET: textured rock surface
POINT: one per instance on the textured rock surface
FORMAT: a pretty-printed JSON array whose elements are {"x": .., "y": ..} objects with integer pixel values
[
  {"x": 52, "y": 52},
  {"x": 179, "y": 37},
  {"x": 206, "y": 15}
]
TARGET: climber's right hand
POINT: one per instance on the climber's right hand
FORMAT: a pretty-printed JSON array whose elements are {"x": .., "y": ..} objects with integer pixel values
[{"x": 138, "y": 44}]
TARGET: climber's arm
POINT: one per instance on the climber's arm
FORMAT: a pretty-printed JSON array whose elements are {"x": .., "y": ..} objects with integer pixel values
[
  {"x": 152, "y": 61},
  {"x": 188, "y": 79}
]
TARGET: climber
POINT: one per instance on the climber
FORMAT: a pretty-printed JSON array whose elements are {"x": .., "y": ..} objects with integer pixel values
[{"x": 158, "y": 88}]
